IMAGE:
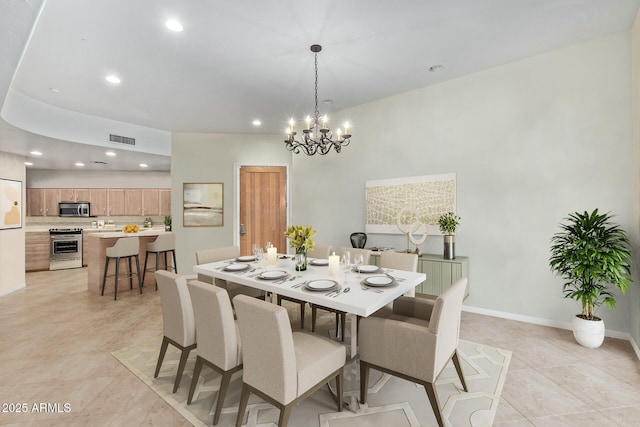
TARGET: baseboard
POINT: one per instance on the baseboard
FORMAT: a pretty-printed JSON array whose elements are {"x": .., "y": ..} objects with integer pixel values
[
  {"x": 12, "y": 290},
  {"x": 547, "y": 322}
]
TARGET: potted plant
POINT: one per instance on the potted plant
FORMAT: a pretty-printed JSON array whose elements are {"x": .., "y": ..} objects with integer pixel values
[
  {"x": 148, "y": 223},
  {"x": 592, "y": 255},
  {"x": 448, "y": 224},
  {"x": 167, "y": 223}
]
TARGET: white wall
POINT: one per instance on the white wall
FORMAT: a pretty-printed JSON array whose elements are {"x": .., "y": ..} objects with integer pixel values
[
  {"x": 530, "y": 141},
  {"x": 12, "y": 275},
  {"x": 38, "y": 178},
  {"x": 634, "y": 324},
  {"x": 212, "y": 158}
]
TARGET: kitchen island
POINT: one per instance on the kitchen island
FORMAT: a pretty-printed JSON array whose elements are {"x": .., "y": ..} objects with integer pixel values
[{"x": 97, "y": 245}]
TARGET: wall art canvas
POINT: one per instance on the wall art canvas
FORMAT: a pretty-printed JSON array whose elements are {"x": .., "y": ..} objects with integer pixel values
[
  {"x": 414, "y": 200},
  {"x": 10, "y": 204},
  {"x": 203, "y": 204}
]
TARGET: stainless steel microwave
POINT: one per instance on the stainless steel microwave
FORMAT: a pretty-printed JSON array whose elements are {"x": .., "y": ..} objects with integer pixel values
[{"x": 74, "y": 209}]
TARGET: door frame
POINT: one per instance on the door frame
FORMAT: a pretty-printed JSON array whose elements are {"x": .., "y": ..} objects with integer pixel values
[{"x": 236, "y": 196}]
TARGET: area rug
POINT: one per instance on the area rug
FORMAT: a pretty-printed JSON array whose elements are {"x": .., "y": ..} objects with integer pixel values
[{"x": 391, "y": 401}]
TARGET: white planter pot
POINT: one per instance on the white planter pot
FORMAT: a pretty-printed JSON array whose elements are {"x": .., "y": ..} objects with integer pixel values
[{"x": 588, "y": 333}]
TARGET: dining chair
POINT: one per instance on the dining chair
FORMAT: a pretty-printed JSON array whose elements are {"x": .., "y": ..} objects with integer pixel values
[
  {"x": 358, "y": 240},
  {"x": 415, "y": 342},
  {"x": 220, "y": 254},
  {"x": 341, "y": 316},
  {"x": 397, "y": 261},
  {"x": 319, "y": 251},
  {"x": 178, "y": 321},
  {"x": 281, "y": 366},
  {"x": 218, "y": 338}
]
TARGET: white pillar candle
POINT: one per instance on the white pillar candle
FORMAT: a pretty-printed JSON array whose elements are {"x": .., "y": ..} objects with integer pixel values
[
  {"x": 334, "y": 265},
  {"x": 272, "y": 256}
]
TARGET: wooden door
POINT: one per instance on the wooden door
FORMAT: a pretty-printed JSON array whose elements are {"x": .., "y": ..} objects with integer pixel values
[
  {"x": 263, "y": 206},
  {"x": 98, "y": 200},
  {"x": 150, "y": 202},
  {"x": 67, "y": 195},
  {"x": 165, "y": 201},
  {"x": 82, "y": 194},
  {"x": 133, "y": 201},
  {"x": 35, "y": 200},
  {"x": 51, "y": 200},
  {"x": 115, "y": 201}
]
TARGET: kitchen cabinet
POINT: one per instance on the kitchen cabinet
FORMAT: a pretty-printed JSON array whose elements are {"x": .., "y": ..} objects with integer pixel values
[
  {"x": 150, "y": 202},
  {"x": 98, "y": 200},
  {"x": 74, "y": 194},
  {"x": 165, "y": 201},
  {"x": 115, "y": 200},
  {"x": 36, "y": 250},
  {"x": 43, "y": 201},
  {"x": 133, "y": 201}
]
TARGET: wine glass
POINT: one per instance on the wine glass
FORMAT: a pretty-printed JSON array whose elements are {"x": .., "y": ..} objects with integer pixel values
[
  {"x": 254, "y": 249},
  {"x": 346, "y": 264},
  {"x": 358, "y": 262},
  {"x": 259, "y": 254},
  {"x": 267, "y": 245}
]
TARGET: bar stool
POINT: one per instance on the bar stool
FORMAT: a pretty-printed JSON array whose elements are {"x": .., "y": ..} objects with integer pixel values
[
  {"x": 162, "y": 245},
  {"x": 125, "y": 247}
]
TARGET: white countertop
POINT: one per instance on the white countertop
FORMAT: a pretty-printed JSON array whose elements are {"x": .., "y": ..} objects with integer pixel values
[{"x": 109, "y": 234}]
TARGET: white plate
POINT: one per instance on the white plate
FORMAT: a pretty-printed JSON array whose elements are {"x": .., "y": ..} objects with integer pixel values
[
  {"x": 236, "y": 267},
  {"x": 246, "y": 258},
  {"x": 320, "y": 261},
  {"x": 367, "y": 268},
  {"x": 273, "y": 274},
  {"x": 379, "y": 281},
  {"x": 321, "y": 285}
]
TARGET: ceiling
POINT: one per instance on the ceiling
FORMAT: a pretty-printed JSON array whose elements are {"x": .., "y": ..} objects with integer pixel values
[{"x": 236, "y": 61}]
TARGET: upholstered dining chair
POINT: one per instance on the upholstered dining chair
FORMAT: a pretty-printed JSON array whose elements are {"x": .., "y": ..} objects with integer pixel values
[
  {"x": 319, "y": 251},
  {"x": 415, "y": 342},
  {"x": 281, "y": 366},
  {"x": 219, "y": 254},
  {"x": 341, "y": 316},
  {"x": 397, "y": 261},
  {"x": 178, "y": 321},
  {"x": 218, "y": 338},
  {"x": 358, "y": 240}
]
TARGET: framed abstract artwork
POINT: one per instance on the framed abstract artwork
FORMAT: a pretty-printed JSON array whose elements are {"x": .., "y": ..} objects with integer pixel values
[
  {"x": 203, "y": 204},
  {"x": 10, "y": 204}
]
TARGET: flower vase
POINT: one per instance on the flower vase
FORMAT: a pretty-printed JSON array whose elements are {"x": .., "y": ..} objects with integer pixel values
[{"x": 301, "y": 252}]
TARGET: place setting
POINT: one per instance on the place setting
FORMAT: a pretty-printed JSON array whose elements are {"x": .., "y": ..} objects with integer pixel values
[
  {"x": 277, "y": 276},
  {"x": 378, "y": 283},
  {"x": 238, "y": 267}
]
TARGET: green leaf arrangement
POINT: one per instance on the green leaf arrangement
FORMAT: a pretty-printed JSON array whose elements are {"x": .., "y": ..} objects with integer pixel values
[
  {"x": 448, "y": 223},
  {"x": 300, "y": 236}
]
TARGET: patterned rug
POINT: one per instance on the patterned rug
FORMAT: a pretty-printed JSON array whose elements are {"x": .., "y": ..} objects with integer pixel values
[{"x": 391, "y": 401}]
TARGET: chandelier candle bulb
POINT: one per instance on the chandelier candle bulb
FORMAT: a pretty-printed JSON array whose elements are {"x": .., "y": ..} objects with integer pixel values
[
  {"x": 272, "y": 256},
  {"x": 308, "y": 120},
  {"x": 334, "y": 265}
]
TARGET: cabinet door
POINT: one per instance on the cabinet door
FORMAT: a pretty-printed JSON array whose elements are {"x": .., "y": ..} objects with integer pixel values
[
  {"x": 115, "y": 201},
  {"x": 67, "y": 195},
  {"x": 150, "y": 202},
  {"x": 36, "y": 251},
  {"x": 51, "y": 200},
  {"x": 82, "y": 195},
  {"x": 165, "y": 201},
  {"x": 98, "y": 200},
  {"x": 133, "y": 201},
  {"x": 35, "y": 202}
]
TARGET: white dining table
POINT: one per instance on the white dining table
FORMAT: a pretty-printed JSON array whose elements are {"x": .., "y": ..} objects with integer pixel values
[{"x": 355, "y": 302}]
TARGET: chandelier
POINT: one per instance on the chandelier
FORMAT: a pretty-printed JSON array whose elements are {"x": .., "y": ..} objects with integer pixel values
[{"x": 316, "y": 137}]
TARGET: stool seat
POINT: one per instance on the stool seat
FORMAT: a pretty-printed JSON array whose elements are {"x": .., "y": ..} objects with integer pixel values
[
  {"x": 163, "y": 244},
  {"x": 125, "y": 247}
]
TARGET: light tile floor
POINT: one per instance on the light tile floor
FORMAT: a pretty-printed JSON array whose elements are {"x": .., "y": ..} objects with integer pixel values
[{"x": 56, "y": 340}]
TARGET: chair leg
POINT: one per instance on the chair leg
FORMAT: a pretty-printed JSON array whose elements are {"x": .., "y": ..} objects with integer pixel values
[
  {"x": 144, "y": 270},
  {"x": 166, "y": 264},
  {"x": 224, "y": 386},
  {"x": 343, "y": 322},
  {"x": 104, "y": 278},
  {"x": 138, "y": 269},
  {"x": 279, "y": 299},
  {"x": 163, "y": 350},
  {"x": 115, "y": 293},
  {"x": 364, "y": 381},
  {"x": 337, "y": 323},
  {"x": 433, "y": 399},
  {"x": 314, "y": 312},
  {"x": 130, "y": 273},
  {"x": 175, "y": 264},
  {"x": 284, "y": 415},
  {"x": 183, "y": 362},
  {"x": 154, "y": 273},
  {"x": 242, "y": 407},
  {"x": 302, "y": 306},
  {"x": 194, "y": 380},
  {"x": 339, "y": 389},
  {"x": 456, "y": 363}
]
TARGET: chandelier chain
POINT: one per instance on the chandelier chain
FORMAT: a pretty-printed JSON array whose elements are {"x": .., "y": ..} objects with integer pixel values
[{"x": 317, "y": 113}]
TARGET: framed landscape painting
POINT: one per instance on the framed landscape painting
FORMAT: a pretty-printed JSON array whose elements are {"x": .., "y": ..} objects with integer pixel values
[
  {"x": 10, "y": 204},
  {"x": 203, "y": 204}
]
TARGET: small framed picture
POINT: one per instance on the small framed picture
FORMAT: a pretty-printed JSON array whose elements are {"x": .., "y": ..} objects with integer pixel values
[
  {"x": 10, "y": 204},
  {"x": 203, "y": 204}
]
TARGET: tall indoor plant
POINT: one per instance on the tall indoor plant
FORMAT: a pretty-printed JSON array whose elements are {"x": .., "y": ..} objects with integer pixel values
[
  {"x": 592, "y": 255},
  {"x": 448, "y": 223}
]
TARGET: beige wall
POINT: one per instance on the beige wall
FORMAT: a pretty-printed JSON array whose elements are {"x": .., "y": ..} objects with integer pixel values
[
  {"x": 12, "y": 275},
  {"x": 634, "y": 324},
  {"x": 38, "y": 178}
]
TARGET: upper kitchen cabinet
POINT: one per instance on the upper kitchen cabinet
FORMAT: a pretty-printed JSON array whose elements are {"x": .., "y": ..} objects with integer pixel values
[
  {"x": 43, "y": 201},
  {"x": 115, "y": 200},
  {"x": 98, "y": 200},
  {"x": 150, "y": 202},
  {"x": 133, "y": 201},
  {"x": 74, "y": 194},
  {"x": 165, "y": 201}
]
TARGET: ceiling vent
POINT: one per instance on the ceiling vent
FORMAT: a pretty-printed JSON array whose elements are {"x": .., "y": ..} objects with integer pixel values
[
  {"x": 98, "y": 162},
  {"x": 122, "y": 139}
]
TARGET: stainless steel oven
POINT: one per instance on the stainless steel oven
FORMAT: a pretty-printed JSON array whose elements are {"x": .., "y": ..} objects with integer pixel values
[{"x": 66, "y": 248}]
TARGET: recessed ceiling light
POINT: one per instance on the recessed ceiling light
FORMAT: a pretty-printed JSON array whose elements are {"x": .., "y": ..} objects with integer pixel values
[
  {"x": 110, "y": 153},
  {"x": 112, "y": 79},
  {"x": 144, "y": 165},
  {"x": 79, "y": 164},
  {"x": 36, "y": 153},
  {"x": 256, "y": 122},
  {"x": 54, "y": 90},
  {"x": 436, "y": 68},
  {"x": 173, "y": 25},
  {"x": 28, "y": 163},
  {"x": 327, "y": 101}
]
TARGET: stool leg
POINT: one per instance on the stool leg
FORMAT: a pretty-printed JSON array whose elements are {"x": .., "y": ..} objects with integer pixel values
[
  {"x": 166, "y": 264},
  {"x": 104, "y": 278},
  {"x": 138, "y": 268},
  {"x": 130, "y": 273},
  {"x": 115, "y": 293},
  {"x": 157, "y": 267},
  {"x": 175, "y": 265},
  {"x": 144, "y": 270}
]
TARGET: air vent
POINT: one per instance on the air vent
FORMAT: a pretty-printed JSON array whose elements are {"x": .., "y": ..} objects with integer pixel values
[
  {"x": 98, "y": 162},
  {"x": 122, "y": 139}
]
